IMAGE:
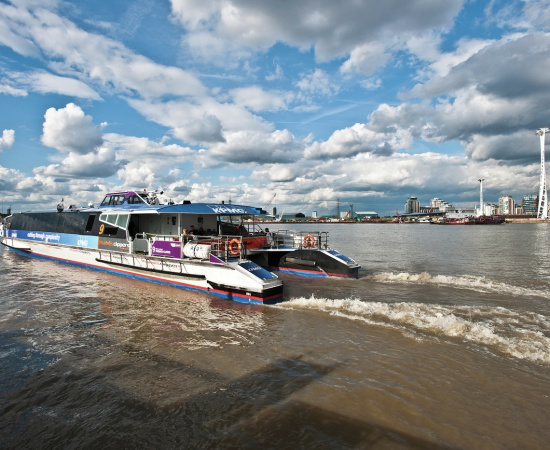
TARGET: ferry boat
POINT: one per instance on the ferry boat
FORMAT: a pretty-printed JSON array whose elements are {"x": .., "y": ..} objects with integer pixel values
[
  {"x": 201, "y": 246},
  {"x": 132, "y": 234}
]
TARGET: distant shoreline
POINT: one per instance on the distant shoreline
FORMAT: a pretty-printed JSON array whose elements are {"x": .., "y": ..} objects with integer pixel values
[{"x": 528, "y": 220}]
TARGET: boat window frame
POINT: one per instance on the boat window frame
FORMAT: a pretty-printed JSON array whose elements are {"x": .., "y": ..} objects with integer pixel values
[{"x": 108, "y": 219}]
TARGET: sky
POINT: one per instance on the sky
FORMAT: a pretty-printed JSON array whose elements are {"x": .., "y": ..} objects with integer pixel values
[{"x": 302, "y": 105}]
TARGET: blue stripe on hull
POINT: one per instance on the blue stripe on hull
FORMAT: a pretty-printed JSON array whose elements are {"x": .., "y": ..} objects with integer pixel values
[
  {"x": 312, "y": 273},
  {"x": 219, "y": 293},
  {"x": 304, "y": 273}
]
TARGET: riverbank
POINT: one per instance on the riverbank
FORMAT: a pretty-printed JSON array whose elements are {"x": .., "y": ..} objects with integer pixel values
[{"x": 526, "y": 220}]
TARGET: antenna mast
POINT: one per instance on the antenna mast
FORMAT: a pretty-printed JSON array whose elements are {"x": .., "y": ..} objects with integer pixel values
[
  {"x": 543, "y": 194},
  {"x": 481, "y": 212}
]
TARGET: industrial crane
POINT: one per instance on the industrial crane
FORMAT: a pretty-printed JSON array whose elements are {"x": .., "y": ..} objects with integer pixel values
[{"x": 264, "y": 207}]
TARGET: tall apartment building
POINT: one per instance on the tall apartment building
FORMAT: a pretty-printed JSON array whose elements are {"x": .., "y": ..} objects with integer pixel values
[
  {"x": 530, "y": 204},
  {"x": 412, "y": 205},
  {"x": 506, "y": 205}
]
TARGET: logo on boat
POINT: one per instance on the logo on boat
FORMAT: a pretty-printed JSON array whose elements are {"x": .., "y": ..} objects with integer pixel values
[
  {"x": 44, "y": 236},
  {"x": 82, "y": 242},
  {"x": 222, "y": 209}
]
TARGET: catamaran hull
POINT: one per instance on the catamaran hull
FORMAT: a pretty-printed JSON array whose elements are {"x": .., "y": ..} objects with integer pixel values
[
  {"x": 218, "y": 279},
  {"x": 306, "y": 262}
]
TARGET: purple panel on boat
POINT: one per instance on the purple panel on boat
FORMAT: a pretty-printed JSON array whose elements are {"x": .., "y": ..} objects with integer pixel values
[{"x": 171, "y": 249}]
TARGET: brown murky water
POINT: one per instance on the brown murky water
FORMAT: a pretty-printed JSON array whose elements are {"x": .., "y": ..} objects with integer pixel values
[{"x": 443, "y": 342}]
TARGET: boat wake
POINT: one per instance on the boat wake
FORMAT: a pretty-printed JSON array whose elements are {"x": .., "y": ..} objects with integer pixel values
[
  {"x": 524, "y": 335},
  {"x": 476, "y": 283}
]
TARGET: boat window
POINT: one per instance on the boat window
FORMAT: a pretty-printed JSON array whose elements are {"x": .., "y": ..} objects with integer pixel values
[
  {"x": 134, "y": 200},
  {"x": 122, "y": 220},
  {"x": 90, "y": 223},
  {"x": 113, "y": 200},
  {"x": 118, "y": 220},
  {"x": 110, "y": 231}
]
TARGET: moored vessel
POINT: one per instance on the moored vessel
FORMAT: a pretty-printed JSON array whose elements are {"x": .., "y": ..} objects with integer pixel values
[{"x": 471, "y": 220}]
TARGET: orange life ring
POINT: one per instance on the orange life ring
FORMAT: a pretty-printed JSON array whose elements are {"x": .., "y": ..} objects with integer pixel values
[
  {"x": 234, "y": 246},
  {"x": 101, "y": 229},
  {"x": 309, "y": 240}
]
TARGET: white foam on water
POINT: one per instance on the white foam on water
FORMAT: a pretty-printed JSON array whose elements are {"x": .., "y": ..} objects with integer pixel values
[
  {"x": 476, "y": 283},
  {"x": 521, "y": 335}
]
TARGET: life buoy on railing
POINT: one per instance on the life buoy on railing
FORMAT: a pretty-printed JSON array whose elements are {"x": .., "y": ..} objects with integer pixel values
[
  {"x": 234, "y": 246},
  {"x": 309, "y": 240}
]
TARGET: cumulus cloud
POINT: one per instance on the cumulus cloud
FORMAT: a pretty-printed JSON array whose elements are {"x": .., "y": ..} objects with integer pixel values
[
  {"x": 148, "y": 151},
  {"x": 207, "y": 130},
  {"x": 351, "y": 141},
  {"x": 70, "y": 130},
  {"x": 333, "y": 29},
  {"x": 281, "y": 146},
  {"x": 277, "y": 173},
  {"x": 317, "y": 83},
  {"x": 490, "y": 115},
  {"x": 100, "y": 163},
  {"x": 512, "y": 67},
  {"x": 199, "y": 121},
  {"x": 256, "y": 99},
  {"x": 370, "y": 179},
  {"x": 7, "y": 139},
  {"x": 9, "y": 179},
  {"x": 518, "y": 146},
  {"x": 366, "y": 59}
]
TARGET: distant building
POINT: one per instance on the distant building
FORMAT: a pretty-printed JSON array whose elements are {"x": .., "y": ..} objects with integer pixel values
[
  {"x": 274, "y": 211},
  {"x": 412, "y": 205},
  {"x": 490, "y": 209},
  {"x": 530, "y": 204},
  {"x": 284, "y": 217},
  {"x": 314, "y": 214},
  {"x": 366, "y": 215},
  {"x": 441, "y": 205},
  {"x": 467, "y": 211},
  {"x": 506, "y": 205}
]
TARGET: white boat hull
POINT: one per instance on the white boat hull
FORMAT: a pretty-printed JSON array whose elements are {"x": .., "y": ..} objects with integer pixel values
[{"x": 232, "y": 280}]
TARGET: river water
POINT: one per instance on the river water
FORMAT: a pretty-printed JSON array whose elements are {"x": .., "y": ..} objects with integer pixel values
[{"x": 442, "y": 342}]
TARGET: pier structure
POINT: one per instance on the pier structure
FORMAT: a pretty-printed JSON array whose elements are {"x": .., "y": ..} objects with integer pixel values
[{"x": 542, "y": 212}]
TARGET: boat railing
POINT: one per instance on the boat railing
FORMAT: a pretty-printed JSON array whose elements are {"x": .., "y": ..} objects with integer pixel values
[
  {"x": 251, "y": 228},
  {"x": 164, "y": 237},
  {"x": 299, "y": 239},
  {"x": 145, "y": 262},
  {"x": 227, "y": 247}
]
